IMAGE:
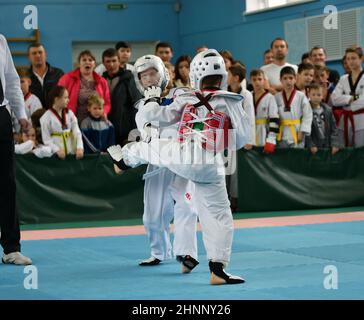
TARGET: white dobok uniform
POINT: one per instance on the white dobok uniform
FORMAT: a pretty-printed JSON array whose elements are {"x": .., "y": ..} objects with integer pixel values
[
  {"x": 205, "y": 170},
  {"x": 65, "y": 137},
  {"x": 265, "y": 109},
  {"x": 351, "y": 123},
  {"x": 166, "y": 198},
  {"x": 294, "y": 116}
]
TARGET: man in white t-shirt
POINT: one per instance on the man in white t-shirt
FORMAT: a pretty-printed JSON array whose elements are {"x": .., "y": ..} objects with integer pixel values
[{"x": 272, "y": 71}]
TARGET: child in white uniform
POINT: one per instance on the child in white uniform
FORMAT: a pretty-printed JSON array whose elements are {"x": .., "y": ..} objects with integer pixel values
[
  {"x": 266, "y": 113},
  {"x": 295, "y": 112},
  {"x": 29, "y": 144},
  {"x": 349, "y": 93},
  {"x": 59, "y": 126},
  {"x": 197, "y": 154},
  {"x": 164, "y": 191}
]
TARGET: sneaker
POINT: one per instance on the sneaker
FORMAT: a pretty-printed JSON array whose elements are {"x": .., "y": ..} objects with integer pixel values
[
  {"x": 16, "y": 258},
  {"x": 150, "y": 262},
  {"x": 219, "y": 276},
  {"x": 188, "y": 263}
]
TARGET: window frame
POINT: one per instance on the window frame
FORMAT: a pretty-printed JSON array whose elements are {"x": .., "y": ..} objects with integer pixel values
[{"x": 297, "y": 2}]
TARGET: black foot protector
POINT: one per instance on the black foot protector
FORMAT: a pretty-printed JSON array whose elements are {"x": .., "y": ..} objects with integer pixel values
[
  {"x": 150, "y": 262},
  {"x": 188, "y": 263},
  {"x": 219, "y": 276}
]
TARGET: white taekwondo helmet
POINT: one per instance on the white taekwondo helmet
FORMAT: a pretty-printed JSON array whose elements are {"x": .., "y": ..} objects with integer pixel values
[
  {"x": 207, "y": 63},
  {"x": 147, "y": 62}
]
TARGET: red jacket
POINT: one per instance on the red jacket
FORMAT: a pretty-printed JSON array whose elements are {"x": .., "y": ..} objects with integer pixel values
[{"x": 72, "y": 82}]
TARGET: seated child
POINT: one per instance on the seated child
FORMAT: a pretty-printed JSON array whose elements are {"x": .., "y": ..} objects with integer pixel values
[
  {"x": 26, "y": 142},
  {"x": 35, "y": 120},
  {"x": 29, "y": 144},
  {"x": 98, "y": 134},
  {"x": 59, "y": 126}
]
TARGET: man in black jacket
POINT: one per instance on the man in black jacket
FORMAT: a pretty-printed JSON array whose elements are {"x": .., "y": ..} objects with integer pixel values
[
  {"x": 123, "y": 94},
  {"x": 43, "y": 76},
  {"x": 318, "y": 58},
  {"x": 12, "y": 97}
]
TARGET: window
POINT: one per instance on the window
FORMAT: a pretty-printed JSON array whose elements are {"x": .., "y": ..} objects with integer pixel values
[
  {"x": 253, "y": 6},
  {"x": 305, "y": 33}
]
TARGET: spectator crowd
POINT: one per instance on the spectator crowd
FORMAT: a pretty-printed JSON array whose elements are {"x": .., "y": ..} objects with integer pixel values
[{"x": 290, "y": 106}]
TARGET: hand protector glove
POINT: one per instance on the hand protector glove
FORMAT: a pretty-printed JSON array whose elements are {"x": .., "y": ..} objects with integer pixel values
[
  {"x": 152, "y": 94},
  {"x": 270, "y": 144},
  {"x": 115, "y": 153}
]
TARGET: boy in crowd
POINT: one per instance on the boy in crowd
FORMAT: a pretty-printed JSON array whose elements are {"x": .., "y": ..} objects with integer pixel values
[
  {"x": 172, "y": 75},
  {"x": 268, "y": 57},
  {"x": 305, "y": 76},
  {"x": 349, "y": 94},
  {"x": 266, "y": 113},
  {"x": 31, "y": 101},
  {"x": 322, "y": 74},
  {"x": 123, "y": 50},
  {"x": 123, "y": 96},
  {"x": 98, "y": 134},
  {"x": 294, "y": 110},
  {"x": 236, "y": 75},
  {"x": 164, "y": 51},
  {"x": 324, "y": 133}
]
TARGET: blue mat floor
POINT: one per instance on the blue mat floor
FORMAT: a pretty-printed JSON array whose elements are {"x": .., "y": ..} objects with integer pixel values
[{"x": 277, "y": 263}]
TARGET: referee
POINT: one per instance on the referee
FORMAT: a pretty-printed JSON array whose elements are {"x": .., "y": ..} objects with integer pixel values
[{"x": 10, "y": 96}]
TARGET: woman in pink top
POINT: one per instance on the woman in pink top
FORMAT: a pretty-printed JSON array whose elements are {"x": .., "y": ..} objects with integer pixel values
[{"x": 82, "y": 83}]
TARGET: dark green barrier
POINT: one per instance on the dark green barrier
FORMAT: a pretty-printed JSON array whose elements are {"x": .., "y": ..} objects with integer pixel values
[
  {"x": 51, "y": 190},
  {"x": 296, "y": 179}
]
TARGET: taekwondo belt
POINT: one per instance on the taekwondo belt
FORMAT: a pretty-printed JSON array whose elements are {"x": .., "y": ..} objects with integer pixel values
[
  {"x": 291, "y": 123},
  {"x": 349, "y": 116},
  {"x": 64, "y": 136},
  {"x": 261, "y": 121},
  {"x": 338, "y": 112}
]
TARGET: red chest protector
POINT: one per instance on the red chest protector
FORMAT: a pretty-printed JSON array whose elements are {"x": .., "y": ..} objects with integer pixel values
[{"x": 213, "y": 130}]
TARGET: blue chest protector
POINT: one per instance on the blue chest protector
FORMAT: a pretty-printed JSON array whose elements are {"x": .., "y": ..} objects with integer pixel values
[{"x": 166, "y": 101}]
